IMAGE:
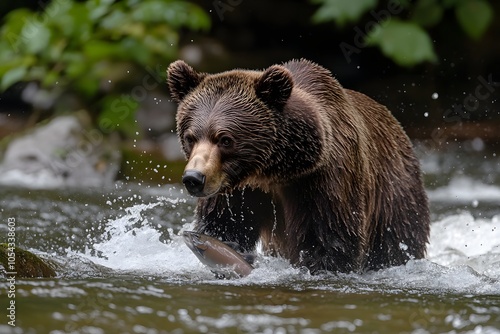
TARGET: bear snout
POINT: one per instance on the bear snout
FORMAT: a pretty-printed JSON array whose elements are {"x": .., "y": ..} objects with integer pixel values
[
  {"x": 194, "y": 181},
  {"x": 203, "y": 175}
]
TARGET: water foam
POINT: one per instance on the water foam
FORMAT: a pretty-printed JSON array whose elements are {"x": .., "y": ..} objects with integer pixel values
[
  {"x": 465, "y": 189},
  {"x": 463, "y": 240},
  {"x": 132, "y": 244},
  {"x": 463, "y": 257}
]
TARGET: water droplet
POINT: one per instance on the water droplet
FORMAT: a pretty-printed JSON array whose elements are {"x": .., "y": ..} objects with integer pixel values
[
  {"x": 477, "y": 144},
  {"x": 426, "y": 114},
  {"x": 435, "y": 96}
]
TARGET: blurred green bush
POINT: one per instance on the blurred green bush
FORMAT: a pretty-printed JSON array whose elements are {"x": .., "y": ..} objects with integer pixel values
[
  {"x": 88, "y": 49},
  {"x": 400, "y": 27}
]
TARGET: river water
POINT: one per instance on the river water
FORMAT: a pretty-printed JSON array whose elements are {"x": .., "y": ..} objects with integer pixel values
[{"x": 123, "y": 268}]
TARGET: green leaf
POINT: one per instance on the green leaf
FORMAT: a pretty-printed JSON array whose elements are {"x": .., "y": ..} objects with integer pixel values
[
  {"x": 25, "y": 61},
  {"x": 12, "y": 30},
  {"x": 56, "y": 50},
  {"x": 37, "y": 37},
  {"x": 77, "y": 66},
  {"x": 87, "y": 85},
  {"x": 342, "y": 11},
  {"x": 50, "y": 78},
  {"x": 406, "y": 43},
  {"x": 194, "y": 17},
  {"x": 118, "y": 113},
  {"x": 6, "y": 52},
  {"x": 98, "y": 8},
  {"x": 176, "y": 13},
  {"x": 97, "y": 49},
  {"x": 150, "y": 11},
  {"x": 474, "y": 16},
  {"x": 12, "y": 76},
  {"x": 131, "y": 49},
  {"x": 427, "y": 13},
  {"x": 115, "y": 20}
]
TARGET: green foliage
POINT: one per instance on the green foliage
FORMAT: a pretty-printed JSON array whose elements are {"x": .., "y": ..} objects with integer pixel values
[
  {"x": 118, "y": 114},
  {"x": 406, "y": 42},
  {"x": 12, "y": 76},
  {"x": 427, "y": 13},
  {"x": 342, "y": 11},
  {"x": 474, "y": 16},
  {"x": 392, "y": 37},
  {"x": 78, "y": 47}
]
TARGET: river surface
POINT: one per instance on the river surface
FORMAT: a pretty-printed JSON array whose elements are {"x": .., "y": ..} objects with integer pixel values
[{"x": 123, "y": 268}]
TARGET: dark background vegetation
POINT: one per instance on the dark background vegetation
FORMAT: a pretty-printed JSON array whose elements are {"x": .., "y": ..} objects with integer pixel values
[
  {"x": 259, "y": 33},
  {"x": 255, "y": 34}
]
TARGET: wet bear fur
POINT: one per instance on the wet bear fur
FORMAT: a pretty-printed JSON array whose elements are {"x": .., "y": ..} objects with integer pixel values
[{"x": 322, "y": 175}]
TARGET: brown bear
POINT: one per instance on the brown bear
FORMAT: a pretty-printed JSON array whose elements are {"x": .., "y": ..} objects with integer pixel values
[{"x": 321, "y": 175}]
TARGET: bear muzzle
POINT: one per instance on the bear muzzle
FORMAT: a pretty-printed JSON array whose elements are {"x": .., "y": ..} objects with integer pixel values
[
  {"x": 200, "y": 185},
  {"x": 194, "y": 181},
  {"x": 203, "y": 175}
]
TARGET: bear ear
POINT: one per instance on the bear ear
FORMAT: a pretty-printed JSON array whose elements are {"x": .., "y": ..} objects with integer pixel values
[
  {"x": 182, "y": 79},
  {"x": 274, "y": 86}
]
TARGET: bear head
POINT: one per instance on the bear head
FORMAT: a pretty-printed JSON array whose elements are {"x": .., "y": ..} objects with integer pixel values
[{"x": 228, "y": 124}]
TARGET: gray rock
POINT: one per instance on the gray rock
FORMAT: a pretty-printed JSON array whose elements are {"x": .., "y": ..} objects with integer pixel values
[{"x": 60, "y": 153}]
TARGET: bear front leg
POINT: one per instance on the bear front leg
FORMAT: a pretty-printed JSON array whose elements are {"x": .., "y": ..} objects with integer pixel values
[{"x": 236, "y": 218}]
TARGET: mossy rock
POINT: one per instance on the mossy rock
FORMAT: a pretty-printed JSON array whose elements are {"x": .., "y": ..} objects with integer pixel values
[{"x": 27, "y": 264}]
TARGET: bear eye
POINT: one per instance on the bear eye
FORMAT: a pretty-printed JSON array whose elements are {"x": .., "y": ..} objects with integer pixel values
[
  {"x": 189, "y": 139},
  {"x": 226, "y": 142}
]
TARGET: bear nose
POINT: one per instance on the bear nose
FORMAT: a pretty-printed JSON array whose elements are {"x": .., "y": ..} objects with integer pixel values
[{"x": 194, "y": 181}]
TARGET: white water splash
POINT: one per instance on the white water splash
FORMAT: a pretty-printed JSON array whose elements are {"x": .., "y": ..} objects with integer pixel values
[
  {"x": 462, "y": 240},
  {"x": 134, "y": 244},
  {"x": 463, "y": 257}
]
